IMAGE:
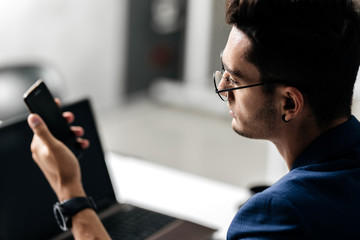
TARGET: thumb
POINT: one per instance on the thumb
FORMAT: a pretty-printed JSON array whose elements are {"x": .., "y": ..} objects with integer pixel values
[{"x": 39, "y": 128}]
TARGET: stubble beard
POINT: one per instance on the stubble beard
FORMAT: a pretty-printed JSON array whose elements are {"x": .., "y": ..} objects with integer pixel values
[{"x": 262, "y": 126}]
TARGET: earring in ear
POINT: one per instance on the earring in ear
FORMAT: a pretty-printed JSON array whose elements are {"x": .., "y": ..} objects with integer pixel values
[{"x": 283, "y": 118}]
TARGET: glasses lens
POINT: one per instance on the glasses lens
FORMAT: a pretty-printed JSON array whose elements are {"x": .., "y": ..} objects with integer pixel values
[{"x": 218, "y": 77}]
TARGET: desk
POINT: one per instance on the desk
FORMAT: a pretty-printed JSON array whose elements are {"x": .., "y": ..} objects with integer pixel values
[{"x": 175, "y": 192}]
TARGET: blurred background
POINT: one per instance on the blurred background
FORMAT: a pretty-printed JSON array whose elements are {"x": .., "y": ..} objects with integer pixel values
[{"x": 147, "y": 67}]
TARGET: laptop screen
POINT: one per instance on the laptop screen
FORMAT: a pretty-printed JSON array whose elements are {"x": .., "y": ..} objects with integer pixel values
[{"x": 26, "y": 201}]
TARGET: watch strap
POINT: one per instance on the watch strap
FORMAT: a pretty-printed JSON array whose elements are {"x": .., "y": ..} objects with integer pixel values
[
  {"x": 74, "y": 205},
  {"x": 65, "y": 210}
]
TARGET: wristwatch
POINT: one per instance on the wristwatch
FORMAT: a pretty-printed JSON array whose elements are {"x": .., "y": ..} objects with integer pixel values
[{"x": 65, "y": 210}]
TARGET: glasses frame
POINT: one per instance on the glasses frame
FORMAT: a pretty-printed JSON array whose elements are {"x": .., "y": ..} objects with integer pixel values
[{"x": 230, "y": 89}]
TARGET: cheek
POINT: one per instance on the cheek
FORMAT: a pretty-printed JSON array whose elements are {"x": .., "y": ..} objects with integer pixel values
[{"x": 242, "y": 101}]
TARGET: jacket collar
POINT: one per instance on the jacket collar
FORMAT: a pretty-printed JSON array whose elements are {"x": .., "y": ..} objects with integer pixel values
[{"x": 330, "y": 143}]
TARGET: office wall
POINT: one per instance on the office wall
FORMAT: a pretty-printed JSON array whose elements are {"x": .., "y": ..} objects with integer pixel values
[
  {"x": 82, "y": 39},
  {"x": 85, "y": 41}
]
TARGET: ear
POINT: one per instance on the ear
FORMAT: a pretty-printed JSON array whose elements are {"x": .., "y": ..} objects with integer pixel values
[{"x": 293, "y": 102}]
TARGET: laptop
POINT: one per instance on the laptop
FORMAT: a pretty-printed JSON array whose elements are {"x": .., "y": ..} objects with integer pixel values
[{"x": 27, "y": 200}]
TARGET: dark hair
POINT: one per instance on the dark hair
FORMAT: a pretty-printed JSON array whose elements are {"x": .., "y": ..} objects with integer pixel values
[{"x": 312, "y": 45}]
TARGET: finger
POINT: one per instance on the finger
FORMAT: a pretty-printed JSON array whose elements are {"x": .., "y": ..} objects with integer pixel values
[
  {"x": 57, "y": 101},
  {"x": 78, "y": 131},
  {"x": 69, "y": 116},
  {"x": 39, "y": 128},
  {"x": 84, "y": 143}
]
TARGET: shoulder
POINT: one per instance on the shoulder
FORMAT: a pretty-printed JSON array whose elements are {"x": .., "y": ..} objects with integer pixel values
[
  {"x": 308, "y": 203},
  {"x": 275, "y": 212},
  {"x": 269, "y": 213}
]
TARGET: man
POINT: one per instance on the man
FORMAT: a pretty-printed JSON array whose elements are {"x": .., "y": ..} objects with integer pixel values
[{"x": 288, "y": 74}]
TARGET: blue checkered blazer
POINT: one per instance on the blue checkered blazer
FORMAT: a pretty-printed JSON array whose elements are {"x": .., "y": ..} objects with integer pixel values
[{"x": 318, "y": 199}]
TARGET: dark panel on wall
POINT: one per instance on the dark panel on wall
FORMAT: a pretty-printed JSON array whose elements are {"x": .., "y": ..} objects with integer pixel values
[{"x": 155, "y": 43}]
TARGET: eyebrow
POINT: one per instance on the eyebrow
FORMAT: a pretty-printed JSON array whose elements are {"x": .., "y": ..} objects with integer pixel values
[{"x": 235, "y": 72}]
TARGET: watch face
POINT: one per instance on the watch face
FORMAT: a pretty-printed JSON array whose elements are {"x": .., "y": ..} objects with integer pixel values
[{"x": 59, "y": 216}]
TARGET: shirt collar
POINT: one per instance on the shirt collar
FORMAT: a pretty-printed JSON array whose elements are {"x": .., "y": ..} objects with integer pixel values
[{"x": 329, "y": 143}]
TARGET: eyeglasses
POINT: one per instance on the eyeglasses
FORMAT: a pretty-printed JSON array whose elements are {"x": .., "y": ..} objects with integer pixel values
[{"x": 229, "y": 85}]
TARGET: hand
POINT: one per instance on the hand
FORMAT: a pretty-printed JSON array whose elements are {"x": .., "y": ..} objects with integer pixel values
[
  {"x": 62, "y": 170},
  {"x": 56, "y": 161}
]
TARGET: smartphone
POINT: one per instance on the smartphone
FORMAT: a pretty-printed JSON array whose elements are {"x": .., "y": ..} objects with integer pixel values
[{"x": 38, "y": 99}]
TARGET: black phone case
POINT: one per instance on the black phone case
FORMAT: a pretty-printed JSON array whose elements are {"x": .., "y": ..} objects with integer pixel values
[{"x": 39, "y": 100}]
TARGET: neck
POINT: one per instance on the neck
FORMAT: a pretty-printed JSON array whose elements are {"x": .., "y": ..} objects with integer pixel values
[{"x": 297, "y": 135}]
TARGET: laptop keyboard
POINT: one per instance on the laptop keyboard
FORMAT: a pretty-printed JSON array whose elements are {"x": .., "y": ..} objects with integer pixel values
[{"x": 135, "y": 224}]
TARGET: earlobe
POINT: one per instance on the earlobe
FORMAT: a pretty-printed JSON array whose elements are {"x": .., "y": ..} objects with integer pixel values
[{"x": 283, "y": 117}]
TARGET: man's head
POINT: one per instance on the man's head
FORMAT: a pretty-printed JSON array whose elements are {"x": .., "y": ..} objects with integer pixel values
[
  {"x": 253, "y": 111},
  {"x": 311, "y": 45}
]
